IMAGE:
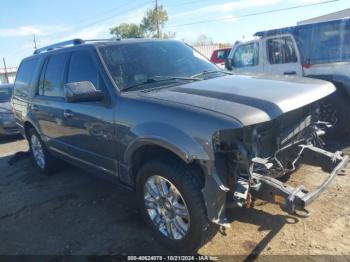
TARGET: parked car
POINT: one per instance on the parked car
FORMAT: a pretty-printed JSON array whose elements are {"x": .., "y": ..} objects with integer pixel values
[
  {"x": 8, "y": 125},
  {"x": 319, "y": 50},
  {"x": 219, "y": 55},
  {"x": 189, "y": 139}
]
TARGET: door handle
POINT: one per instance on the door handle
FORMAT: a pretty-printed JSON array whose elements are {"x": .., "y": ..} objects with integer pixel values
[
  {"x": 68, "y": 114},
  {"x": 290, "y": 73},
  {"x": 34, "y": 107}
]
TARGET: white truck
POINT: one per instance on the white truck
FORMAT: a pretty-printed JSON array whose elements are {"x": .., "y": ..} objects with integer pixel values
[{"x": 317, "y": 50}]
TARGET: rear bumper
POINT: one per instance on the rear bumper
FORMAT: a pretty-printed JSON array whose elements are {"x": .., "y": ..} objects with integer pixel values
[{"x": 297, "y": 198}]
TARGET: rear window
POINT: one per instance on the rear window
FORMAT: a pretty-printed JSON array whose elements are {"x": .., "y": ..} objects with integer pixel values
[{"x": 24, "y": 77}]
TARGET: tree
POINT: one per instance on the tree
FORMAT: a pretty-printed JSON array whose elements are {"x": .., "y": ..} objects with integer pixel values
[
  {"x": 149, "y": 21},
  {"x": 126, "y": 30},
  {"x": 147, "y": 27},
  {"x": 204, "y": 40}
]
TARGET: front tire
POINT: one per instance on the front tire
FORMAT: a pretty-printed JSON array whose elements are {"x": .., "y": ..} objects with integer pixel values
[
  {"x": 41, "y": 155},
  {"x": 171, "y": 203}
]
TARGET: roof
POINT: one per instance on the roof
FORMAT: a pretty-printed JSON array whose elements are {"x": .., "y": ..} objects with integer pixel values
[{"x": 293, "y": 29}]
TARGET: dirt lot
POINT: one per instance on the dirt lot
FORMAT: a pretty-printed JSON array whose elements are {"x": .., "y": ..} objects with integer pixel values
[{"x": 74, "y": 212}]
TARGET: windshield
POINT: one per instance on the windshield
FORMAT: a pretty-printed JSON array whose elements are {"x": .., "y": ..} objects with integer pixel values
[
  {"x": 5, "y": 94},
  {"x": 133, "y": 63}
]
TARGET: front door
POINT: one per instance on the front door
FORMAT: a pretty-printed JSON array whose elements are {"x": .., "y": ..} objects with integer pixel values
[{"x": 89, "y": 126}]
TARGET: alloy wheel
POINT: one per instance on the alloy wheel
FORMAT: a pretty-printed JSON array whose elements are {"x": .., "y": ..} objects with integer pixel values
[
  {"x": 38, "y": 151},
  {"x": 166, "y": 207}
]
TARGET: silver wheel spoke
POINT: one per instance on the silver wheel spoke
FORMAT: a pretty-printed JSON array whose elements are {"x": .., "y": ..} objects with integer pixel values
[
  {"x": 162, "y": 187},
  {"x": 172, "y": 194},
  {"x": 181, "y": 211},
  {"x": 169, "y": 229},
  {"x": 154, "y": 193},
  {"x": 150, "y": 203},
  {"x": 179, "y": 228}
]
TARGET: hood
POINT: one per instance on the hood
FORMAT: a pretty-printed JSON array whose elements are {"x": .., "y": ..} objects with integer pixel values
[
  {"x": 247, "y": 99},
  {"x": 5, "y": 107}
]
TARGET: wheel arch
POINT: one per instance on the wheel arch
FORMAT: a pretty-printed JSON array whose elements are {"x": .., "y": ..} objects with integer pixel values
[
  {"x": 27, "y": 126},
  {"x": 149, "y": 149}
]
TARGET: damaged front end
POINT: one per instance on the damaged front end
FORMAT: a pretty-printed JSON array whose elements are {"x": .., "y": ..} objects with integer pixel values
[{"x": 250, "y": 161}]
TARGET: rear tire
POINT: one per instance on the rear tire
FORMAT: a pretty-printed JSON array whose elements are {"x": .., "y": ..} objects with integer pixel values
[
  {"x": 335, "y": 109},
  {"x": 197, "y": 229},
  {"x": 43, "y": 160}
]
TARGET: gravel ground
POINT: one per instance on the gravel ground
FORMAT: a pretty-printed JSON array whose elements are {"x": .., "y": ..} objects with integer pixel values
[{"x": 74, "y": 212}]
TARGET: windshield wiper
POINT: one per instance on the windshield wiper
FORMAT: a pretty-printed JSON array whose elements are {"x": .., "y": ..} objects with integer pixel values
[
  {"x": 156, "y": 79},
  {"x": 206, "y": 72}
]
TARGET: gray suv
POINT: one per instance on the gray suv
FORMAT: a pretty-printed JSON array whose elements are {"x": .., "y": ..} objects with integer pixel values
[{"x": 189, "y": 139}]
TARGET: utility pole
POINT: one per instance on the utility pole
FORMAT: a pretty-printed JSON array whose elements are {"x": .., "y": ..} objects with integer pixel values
[
  {"x": 157, "y": 13},
  {"x": 5, "y": 68},
  {"x": 34, "y": 41}
]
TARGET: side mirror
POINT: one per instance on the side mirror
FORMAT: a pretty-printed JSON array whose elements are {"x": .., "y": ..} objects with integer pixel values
[
  {"x": 228, "y": 64},
  {"x": 81, "y": 92}
]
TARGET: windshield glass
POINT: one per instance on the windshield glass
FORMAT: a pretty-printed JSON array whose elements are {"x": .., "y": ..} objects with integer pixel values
[
  {"x": 5, "y": 94},
  {"x": 133, "y": 63}
]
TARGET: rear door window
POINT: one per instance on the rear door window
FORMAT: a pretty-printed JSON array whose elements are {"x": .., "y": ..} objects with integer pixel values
[
  {"x": 246, "y": 55},
  {"x": 281, "y": 50},
  {"x": 24, "y": 77},
  {"x": 83, "y": 68},
  {"x": 52, "y": 81}
]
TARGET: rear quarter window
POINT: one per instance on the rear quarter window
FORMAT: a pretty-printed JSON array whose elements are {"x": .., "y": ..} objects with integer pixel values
[{"x": 22, "y": 87}]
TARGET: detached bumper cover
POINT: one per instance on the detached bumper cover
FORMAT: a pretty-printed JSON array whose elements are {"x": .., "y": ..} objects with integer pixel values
[{"x": 297, "y": 198}]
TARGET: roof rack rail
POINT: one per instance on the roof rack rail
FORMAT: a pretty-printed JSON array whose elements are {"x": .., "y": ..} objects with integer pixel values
[
  {"x": 102, "y": 40},
  {"x": 73, "y": 42}
]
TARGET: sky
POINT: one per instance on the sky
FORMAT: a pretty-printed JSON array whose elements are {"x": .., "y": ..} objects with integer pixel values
[{"x": 55, "y": 21}]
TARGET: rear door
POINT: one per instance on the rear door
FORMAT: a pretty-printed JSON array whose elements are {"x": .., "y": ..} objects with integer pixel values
[
  {"x": 282, "y": 56},
  {"x": 88, "y": 127},
  {"x": 47, "y": 105}
]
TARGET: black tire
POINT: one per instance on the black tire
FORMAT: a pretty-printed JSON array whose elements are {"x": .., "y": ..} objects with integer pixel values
[
  {"x": 188, "y": 184},
  {"x": 336, "y": 108},
  {"x": 49, "y": 161}
]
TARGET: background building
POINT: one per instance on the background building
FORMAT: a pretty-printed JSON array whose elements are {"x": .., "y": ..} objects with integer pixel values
[{"x": 332, "y": 16}]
